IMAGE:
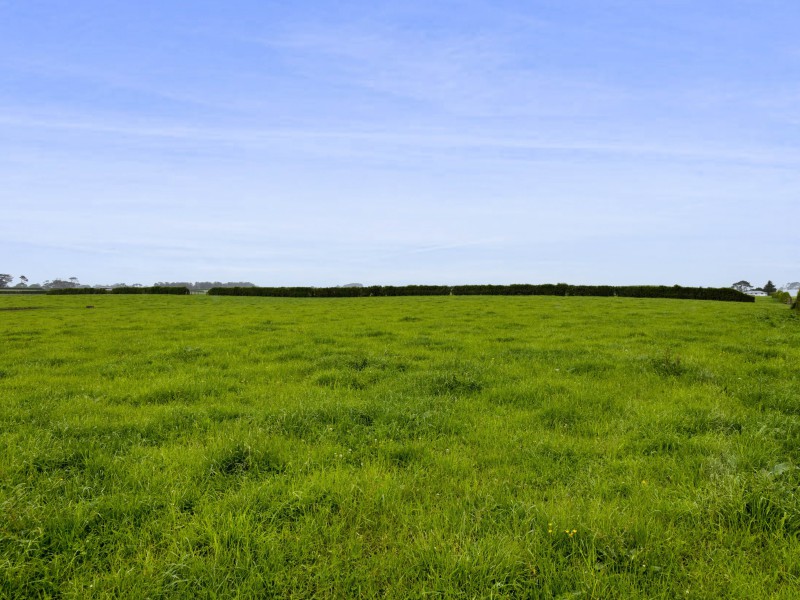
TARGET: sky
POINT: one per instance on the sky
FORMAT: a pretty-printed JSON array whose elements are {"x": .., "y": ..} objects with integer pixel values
[{"x": 387, "y": 143}]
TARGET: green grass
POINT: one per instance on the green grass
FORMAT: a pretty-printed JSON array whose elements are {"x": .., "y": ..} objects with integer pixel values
[{"x": 447, "y": 447}]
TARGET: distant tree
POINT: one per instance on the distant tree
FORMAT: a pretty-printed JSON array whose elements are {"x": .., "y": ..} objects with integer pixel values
[
  {"x": 769, "y": 287},
  {"x": 231, "y": 284},
  {"x": 205, "y": 285},
  {"x": 60, "y": 284},
  {"x": 5, "y": 279},
  {"x": 186, "y": 284},
  {"x": 742, "y": 286},
  {"x": 23, "y": 281}
]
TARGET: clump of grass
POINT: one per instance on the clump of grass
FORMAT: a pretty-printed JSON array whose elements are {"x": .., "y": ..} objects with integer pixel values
[{"x": 669, "y": 365}]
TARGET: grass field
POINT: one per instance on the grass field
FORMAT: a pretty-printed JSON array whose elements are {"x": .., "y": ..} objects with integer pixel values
[{"x": 445, "y": 447}]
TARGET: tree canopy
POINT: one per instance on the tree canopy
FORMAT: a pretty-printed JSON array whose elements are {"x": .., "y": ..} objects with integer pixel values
[{"x": 742, "y": 286}]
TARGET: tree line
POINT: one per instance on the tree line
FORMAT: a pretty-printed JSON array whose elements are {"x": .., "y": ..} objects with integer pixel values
[
  {"x": 73, "y": 283},
  {"x": 747, "y": 287}
]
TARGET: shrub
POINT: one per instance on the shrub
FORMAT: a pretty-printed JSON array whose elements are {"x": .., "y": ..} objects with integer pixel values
[
  {"x": 781, "y": 296},
  {"x": 74, "y": 291},
  {"x": 180, "y": 291}
]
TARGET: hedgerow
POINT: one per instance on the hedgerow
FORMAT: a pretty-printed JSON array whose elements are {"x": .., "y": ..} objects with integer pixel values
[
  {"x": 120, "y": 290},
  {"x": 547, "y": 289},
  {"x": 179, "y": 291},
  {"x": 75, "y": 291}
]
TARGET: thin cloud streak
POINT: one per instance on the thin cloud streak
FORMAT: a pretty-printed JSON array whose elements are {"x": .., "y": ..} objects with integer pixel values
[{"x": 265, "y": 138}]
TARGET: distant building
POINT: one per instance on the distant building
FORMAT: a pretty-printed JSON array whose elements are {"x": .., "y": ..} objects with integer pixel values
[{"x": 757, "y": 293}]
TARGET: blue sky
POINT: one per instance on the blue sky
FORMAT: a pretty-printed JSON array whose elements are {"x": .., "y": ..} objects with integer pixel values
[{"x": 322, "y": 143}]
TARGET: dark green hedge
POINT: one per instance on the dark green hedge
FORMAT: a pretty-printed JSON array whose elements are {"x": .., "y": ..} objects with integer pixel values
[
  {"x": 75, "y": 291},
  {"x": 156, "y": 289},
  {"x": 684, "y": 293},
  {"x": 547, "y": 289},
  {"x": 180, "y": 291}
]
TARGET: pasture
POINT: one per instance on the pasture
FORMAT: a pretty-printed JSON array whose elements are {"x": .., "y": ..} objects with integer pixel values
[{"x": 442, "y": 447}]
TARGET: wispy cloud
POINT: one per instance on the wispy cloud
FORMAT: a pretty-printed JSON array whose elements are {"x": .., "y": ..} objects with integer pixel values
[
  {"x": 500, "y": 147},
  {"x": 461, "y": 74}
]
